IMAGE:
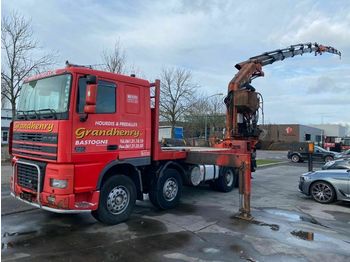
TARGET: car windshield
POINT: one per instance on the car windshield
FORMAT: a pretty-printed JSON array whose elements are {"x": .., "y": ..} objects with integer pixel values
[
  {"x": 47, "y": 94},
  {"x": 320, "y": 149}
]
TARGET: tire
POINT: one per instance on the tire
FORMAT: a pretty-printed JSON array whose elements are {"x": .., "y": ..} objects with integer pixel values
[
  {"x": 328, "y": 159},
  {"x": 166, "y": 190},
  {"x": 295, "y": 158},
  {"x": 117, "y": 200},
  {"x": 227, "y": 180},
  {"x": 322, "y": 192}
]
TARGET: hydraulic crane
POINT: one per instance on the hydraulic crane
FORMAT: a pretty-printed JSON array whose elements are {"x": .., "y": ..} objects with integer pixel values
[{"x": 243, "y": 103}]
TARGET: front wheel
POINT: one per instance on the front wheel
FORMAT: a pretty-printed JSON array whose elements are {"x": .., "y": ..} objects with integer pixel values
[
  {"x": 295, "y": 158},
  {"x": 322, "y": 192},
  {"x": 117, "y": 200},
  {"x": 166, "y": 190}
]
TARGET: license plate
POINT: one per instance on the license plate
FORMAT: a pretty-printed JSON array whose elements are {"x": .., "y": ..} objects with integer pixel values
[{"x": 27, "y": 196}]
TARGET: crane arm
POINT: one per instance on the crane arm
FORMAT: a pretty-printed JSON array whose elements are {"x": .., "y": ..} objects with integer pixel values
[{"x": 242, "y": 101}]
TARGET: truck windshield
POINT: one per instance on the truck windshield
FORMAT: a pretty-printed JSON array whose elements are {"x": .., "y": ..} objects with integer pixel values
[{"x": 45, "y": 96}]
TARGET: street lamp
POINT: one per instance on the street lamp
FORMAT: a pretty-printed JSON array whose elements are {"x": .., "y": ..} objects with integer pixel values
[{"x": 206, "y": 117}]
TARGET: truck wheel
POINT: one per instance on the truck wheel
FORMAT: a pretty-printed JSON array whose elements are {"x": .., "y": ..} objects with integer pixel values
[
  {"x": 227, "y": 180},
  {"x": 166, "y": 190},
  {"x": 295, "y": 158},
  {"x": 117, "y": 200}
]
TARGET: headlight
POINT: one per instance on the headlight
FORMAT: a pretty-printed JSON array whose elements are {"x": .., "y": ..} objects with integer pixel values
[{"x": 58, "y": 183}]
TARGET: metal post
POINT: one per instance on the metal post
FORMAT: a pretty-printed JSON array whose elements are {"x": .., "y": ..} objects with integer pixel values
[{"x": 310, "y": 162}]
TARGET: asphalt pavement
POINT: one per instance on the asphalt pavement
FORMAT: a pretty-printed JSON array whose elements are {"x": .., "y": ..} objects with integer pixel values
[{"x": 202, "y": 228}]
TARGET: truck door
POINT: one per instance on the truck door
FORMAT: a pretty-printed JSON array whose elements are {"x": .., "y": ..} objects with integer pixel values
[{"x": 95, "y": 134}]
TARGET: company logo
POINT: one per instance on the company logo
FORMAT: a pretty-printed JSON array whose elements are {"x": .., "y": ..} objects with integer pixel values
[
  {"x": 34, "y": 126},
  {"x": 83, "y": 132},
  {"x": 289, "y": 130}
]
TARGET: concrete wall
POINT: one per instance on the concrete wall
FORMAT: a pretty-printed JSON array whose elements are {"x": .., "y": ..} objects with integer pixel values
[
  {"x": 333, "y": 130},
  {"x": 314, "y": 132},
  {"x": 288, "y": 133},
  {"x": 280, "y": 133}
]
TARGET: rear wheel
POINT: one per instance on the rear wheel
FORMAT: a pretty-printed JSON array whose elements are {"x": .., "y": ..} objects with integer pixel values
[
  {"x": 227, "y": 180},
  {"x": 166, "y": 190},
  {"x": 295, "y": 158},
  {"x": 322, "y": 192},
  {"x": 117, "y": 200}
]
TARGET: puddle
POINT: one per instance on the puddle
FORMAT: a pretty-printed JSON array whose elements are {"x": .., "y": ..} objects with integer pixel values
[
  {"x": 242, "y": 253},
  {"x": 142, "y": 226},
  {"x": 305, "y": 235},
  {"x": 293, "y": 216},
  {"x": 273, "y": 227}
]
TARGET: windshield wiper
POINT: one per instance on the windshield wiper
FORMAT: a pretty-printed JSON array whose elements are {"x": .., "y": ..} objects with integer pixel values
[{"x": 52, "y": 112}]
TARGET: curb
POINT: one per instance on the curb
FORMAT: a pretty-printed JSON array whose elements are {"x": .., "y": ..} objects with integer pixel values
[{"x": 273, "y": 164}]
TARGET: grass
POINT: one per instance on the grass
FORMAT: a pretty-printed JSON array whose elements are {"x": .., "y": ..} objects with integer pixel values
[{"x": 260, "y": 162}]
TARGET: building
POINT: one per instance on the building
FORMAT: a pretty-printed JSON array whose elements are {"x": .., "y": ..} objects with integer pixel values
[
  {"x": 331, "y": 130},
  {"x": 289, "y": 133},
  {"x": 6, "y": 118}
]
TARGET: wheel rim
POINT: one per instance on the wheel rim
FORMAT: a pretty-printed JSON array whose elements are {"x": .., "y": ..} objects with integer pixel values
[
  {"x": 322, "y": 192},
  {"x": 328, "y": 159},
  {"x": 118, "y": 200},
  {"x": 228, "y": 177},
  {"x": 170, "y": 189},
  {"x": 295, "y": 158}
]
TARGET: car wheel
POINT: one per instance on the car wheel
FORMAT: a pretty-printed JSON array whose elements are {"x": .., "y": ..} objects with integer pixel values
[
  {"x": 166, "y": 190},
  {"x": 117, "y": 200},
  {"x": 295, "y": 158},
  {"x": 328, "y": 159},
  {"x": 322, "y": 192},
  {"x": 227, "y": 180}
]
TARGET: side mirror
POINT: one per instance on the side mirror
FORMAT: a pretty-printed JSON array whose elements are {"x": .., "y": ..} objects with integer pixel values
[{"x": 90, "y": 95}]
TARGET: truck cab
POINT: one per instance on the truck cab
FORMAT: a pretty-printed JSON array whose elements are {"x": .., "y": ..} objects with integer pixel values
[{"x": 60, "y": 147}]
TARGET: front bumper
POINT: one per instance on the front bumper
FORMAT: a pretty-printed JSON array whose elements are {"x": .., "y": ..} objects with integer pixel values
[
  {"x": 304, "y": 186},
  {"x": 55, "y": 210},
  {"x": 52, "y": 199}
]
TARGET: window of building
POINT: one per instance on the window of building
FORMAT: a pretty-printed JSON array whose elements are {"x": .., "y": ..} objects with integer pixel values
[
  {"x": 4, "y": 137},
  {"x": 106, "y": 96}
]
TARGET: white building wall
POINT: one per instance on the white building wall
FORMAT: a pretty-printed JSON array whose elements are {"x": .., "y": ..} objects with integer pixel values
[{"x": 332, "y": 130}]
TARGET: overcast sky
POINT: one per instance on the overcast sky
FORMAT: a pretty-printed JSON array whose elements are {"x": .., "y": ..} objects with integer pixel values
[{"x": 209, "y": 38}]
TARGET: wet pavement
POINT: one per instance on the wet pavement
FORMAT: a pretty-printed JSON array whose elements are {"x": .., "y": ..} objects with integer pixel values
[{"x": 287, "y": 226}]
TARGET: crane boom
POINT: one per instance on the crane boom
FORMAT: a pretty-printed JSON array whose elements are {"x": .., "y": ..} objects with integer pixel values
[
  {"x": 242, "y": 101},
  {"x": 269, "y": 58}
]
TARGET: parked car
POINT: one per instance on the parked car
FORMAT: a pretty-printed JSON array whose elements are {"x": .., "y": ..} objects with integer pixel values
[
  {"x": 338, "y": 164},
  {"x": 319, "y": 154},
  {"x": 345, "y": 154},
  {"x": 326, "y": 186}
]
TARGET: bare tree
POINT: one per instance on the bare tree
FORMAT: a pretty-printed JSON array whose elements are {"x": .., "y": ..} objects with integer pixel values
[
  {"x": 114, "y": 59},
  {"x": 177, "y": 93},
  {"x": 18, "y": 62},
  {"x": 207, "y": 112}
]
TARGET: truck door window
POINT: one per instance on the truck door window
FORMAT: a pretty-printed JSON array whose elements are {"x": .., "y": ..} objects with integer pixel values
[{"x": 106, "y": 96}]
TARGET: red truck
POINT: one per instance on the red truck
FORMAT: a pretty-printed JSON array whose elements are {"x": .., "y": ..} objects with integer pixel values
[{"x": 87, "y": 141}]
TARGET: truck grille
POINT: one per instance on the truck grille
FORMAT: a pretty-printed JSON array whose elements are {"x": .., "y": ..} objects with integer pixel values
[
  {"x": 35, "y": 137},
  {"x": 27, "y": 176},
  {"x": 38, "y": 145}
]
